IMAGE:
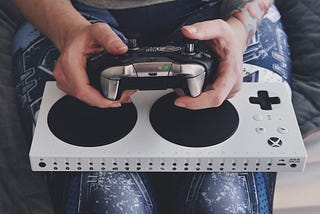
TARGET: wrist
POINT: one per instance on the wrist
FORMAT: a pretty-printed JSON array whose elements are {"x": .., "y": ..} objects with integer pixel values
[
  {"x": 61, "y": 22},
  {"x": 239, "y": 31},
  {"x": 69, "y": 33}
]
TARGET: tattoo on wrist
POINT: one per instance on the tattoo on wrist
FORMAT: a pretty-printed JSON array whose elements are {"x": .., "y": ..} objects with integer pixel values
[{"x": 248, "y": 12}]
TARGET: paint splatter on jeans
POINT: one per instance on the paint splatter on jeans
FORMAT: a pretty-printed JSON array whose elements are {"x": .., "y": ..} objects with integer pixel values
[
  {"x": 218, "y": 192},
  {"x": 229, "y": 193},
  {"x": 108, "y": 192}
]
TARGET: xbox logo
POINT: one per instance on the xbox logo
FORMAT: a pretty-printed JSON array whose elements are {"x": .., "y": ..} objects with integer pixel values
[{"x": 275, "y": 142}]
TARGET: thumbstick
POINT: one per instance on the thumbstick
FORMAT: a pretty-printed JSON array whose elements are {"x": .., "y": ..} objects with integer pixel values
[
  {"x": 189, "y": 46},
  {"x": 133, "y": 40},
  {"x": 132, "y": 44}
]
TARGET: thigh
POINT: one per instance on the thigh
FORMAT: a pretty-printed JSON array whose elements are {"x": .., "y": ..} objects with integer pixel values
[
  {"x": 33, "y": 61},
  {"x": 109, "y": 192},
  {"x": 269, "y": 49},
  {"x": 224, "y": 192}
]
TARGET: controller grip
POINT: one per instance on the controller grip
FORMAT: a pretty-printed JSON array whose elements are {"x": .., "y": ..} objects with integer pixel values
[
  {"x": 191, "y": 86},
  {"x": 146, "y": 83}
]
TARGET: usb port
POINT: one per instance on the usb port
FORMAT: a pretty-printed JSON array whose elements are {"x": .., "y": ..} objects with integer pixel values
[
  {"x": 281, "y": 164},
  {"x": 153, "y": 74}
]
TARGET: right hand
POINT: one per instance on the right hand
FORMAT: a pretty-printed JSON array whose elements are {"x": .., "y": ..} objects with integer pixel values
[
  {"x": 70, "y": 69},
  {"x": 228, "y": 40}
]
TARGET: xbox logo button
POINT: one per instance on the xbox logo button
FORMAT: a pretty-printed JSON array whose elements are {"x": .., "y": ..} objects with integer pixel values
[{"x": 275, "y": 142}]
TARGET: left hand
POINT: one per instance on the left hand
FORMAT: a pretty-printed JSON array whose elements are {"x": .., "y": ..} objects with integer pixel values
[{"x": 228, "y": 40}]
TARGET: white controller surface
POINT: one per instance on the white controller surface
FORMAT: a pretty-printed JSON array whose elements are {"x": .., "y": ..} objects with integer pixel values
[{"x": 267, "y": 139}]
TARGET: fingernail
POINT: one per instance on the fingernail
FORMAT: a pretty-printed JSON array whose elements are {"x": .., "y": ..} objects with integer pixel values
[
  {"x": 182, "y": 105},
  {"x": 115, "y": 104},
  {"x": 191, "y": 29}
]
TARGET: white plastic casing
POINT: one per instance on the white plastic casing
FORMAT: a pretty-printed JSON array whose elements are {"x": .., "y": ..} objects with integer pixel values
[{"x": 144, "y": 150}]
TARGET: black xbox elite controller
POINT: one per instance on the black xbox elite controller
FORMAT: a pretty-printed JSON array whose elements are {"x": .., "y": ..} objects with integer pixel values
[{"x": 152, "y": 68}]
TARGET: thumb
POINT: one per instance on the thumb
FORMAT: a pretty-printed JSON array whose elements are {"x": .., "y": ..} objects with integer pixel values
[
  {"x": 190, "y": 31},
  {"x": 109, "y": 40},
  {"x": 205, "y": 30}
]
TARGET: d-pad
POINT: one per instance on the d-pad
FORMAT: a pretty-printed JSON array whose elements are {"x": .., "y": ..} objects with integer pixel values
[{"x": 264, "y": 100}]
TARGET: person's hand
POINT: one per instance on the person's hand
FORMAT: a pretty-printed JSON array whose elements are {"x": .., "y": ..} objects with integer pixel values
[
  {"x": 228, "y": 40},
  {"x": 70, "y": 70}
]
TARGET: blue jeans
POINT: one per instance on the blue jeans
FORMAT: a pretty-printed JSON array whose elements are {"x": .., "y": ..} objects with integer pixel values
[{"x": 117, "y": 192}]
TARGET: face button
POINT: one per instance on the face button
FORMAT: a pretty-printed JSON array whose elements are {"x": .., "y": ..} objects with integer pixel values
[
  {"x": 261, "y": 130},
  {"x": 258, "y": 117},
  {"x": 283, "y": 130},
  {"x": 275, "y": 142}
]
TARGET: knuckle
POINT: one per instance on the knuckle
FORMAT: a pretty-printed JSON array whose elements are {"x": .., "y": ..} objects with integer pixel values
[
  {"x": 111, "y": 41},
  {"x": 224, "y": 27},
  {"x": 219, "y": 100},
  {"x": 237, "y": 88},
  {"x": 101, "y": 31},
  {"x": 100, "y": 27},
  {"x": 220, "y": 22}
]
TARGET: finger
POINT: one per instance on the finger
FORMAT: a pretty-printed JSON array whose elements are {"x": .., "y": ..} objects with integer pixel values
[
  {"x": 77, "y": 85},
  {"x": 108, "y": 39},
  {"x": 207, "y": 99},
  {"x": 206, "y": 30},
  {"x": 93, "y": 50},
  {"x": 92, "y": 97},
  {"x": 217, "y": 93},
  {"x": 228, "y": 79},
  {"x": 125, "y": 96},
  {"x": 234, "y": 91},
  {"x": 82, "y": 89},
  {"x": 88, "y": 94},
  {"x": 60, "y": 77}
]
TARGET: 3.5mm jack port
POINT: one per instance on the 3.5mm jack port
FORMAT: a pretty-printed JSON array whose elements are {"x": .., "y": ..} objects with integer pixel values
[{"x": 293, "y": 165}]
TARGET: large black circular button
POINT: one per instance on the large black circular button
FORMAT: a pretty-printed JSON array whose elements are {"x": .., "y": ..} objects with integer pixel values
[
  {"x": 77, "y": 123},
  {"x": 193, "y": 128}
]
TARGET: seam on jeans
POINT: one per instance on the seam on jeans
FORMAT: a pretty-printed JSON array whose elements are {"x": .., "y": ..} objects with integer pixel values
[
  {"x": 193, "y": 191},
  {"x": 143, "y": 190}
]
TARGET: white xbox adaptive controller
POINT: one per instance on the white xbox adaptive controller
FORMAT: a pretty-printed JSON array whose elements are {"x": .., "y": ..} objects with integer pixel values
[{"x": 267, "y": 138}]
